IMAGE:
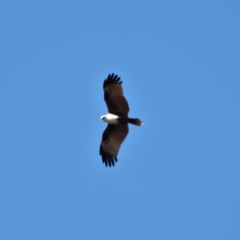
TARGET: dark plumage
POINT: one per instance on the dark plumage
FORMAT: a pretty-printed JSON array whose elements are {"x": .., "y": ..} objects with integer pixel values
[
  {"x": 116, "y": 131},
  {"x": 111, "y": 79},
  {"x": 112, "y": 138},
  {"x": 113, "y": 96}
]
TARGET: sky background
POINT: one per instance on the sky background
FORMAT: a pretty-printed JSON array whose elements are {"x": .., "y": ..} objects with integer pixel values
[{"x": 177, "y": 177}]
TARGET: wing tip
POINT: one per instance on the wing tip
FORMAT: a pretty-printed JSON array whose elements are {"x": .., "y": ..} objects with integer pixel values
[
  {"x": 108, "y": 159},
  {"x": 112, "y": 79}
]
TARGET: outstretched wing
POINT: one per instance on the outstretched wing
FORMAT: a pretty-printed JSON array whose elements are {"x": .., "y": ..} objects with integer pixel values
[
  {"x": 113, "y": 95},
  {"x": 112, "y": 138}
]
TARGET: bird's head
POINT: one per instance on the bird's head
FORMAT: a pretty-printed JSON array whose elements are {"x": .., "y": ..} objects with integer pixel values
[{"x": 103, "y": 117}]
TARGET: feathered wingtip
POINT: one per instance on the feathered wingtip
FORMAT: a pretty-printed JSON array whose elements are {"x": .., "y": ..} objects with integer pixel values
[
  {"x": 108, "y": 159},
  {"x": 112, "y": 79}
]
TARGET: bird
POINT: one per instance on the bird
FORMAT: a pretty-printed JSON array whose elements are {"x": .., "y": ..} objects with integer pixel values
[{"x": 117, "y": 119}]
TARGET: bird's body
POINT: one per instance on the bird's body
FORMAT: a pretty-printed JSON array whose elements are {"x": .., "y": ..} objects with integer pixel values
[{"x": 117, "y": 120}]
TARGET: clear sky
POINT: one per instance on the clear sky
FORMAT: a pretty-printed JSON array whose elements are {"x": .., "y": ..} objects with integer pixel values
[{"x": 177, "y": 177}]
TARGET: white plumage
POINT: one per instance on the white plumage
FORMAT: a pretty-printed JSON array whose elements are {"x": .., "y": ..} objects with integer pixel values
[{"x": 110, "y": 118}]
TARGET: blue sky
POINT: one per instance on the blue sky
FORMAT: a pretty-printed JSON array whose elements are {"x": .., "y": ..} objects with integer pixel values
[{"x": 177, "y": 177}]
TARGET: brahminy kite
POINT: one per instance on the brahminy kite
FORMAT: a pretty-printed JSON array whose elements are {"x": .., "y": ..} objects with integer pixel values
[{"x": 117, "y": 119}]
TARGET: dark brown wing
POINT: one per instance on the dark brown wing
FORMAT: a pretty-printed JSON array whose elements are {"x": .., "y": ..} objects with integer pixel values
[
  {"x": 112, "y": 138},
  {"x": 113, "y": 95}
]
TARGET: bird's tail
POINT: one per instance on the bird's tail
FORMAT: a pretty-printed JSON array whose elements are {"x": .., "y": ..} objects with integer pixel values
[{"x": 135, "y": 121}]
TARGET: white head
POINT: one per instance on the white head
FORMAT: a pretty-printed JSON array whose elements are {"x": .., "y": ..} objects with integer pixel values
[
  {"x": 103, "y": 117},
  {"x": 110, "y": 118}
]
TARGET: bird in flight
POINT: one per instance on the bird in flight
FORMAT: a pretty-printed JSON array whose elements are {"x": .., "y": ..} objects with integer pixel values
[{"x": 117, "y": 119}]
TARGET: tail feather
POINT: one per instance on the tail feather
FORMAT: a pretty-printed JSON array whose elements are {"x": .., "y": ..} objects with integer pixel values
[{"x": 135, "y": 121}]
